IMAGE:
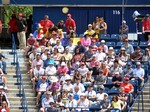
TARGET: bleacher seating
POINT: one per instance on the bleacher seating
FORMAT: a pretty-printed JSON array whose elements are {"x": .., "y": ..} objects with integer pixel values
[
  {"x": 110, "y": 44},
  {"x": 143, "y": 45}
]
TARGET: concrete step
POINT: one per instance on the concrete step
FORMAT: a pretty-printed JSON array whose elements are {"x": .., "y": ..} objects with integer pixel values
[
  {"x": 15, "y": 94},
  {"x": 31, "y": 98},
  {"x": 17, "y": 90},
  {"x": 15, "y": 79},
  {"x": 16, "y": 110}
]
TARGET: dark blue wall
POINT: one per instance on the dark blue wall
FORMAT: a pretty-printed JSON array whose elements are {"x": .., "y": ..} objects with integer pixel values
[
  {"x": 80, "y": 2},
  {"x": 84, "y": 16}
]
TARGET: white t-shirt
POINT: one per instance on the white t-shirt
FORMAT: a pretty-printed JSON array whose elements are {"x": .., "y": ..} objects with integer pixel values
[
  {"x": 83, "y": 71},
  {"x": 84, "y": 103},
  {"x": 43, "y": 87},
  {"x": 32, "y": 56},
  {"x": 63, "y": 78},
  {"x": 46, "y": 101},
  {"x": 60, "y": 48},
  {"x": 68, "y": 87},
  {"x": 100, "y": 96},
  {"x": 100, "y": 56},
  {"x": 71, "y": 48},
  {"x": 39, "y": 72},
  {"x": 50, "y": 70},
  {"x": 44, "y": 57},
  {"x": 81, "y": 87},
  {"x": 91, "y": 93}
]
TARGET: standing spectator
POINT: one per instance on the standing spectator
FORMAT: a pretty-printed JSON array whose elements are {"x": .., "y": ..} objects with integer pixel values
[
  {"x": 124, "y": 29},
  {"x": 96, "y": 25},
  {"x": 128, "y": 47},
  {"x": 22, "y": 28},
  {"x": 103, "y": 26},
  {"x": 146, "y": 27},
  {"x": 70, "y": 23},
  {"x": 46, "y": 23},
  {"x": 3, "y": 63},
  {"x": 13, "y": 28},
  {"x": 29, "y": 25},
  {"x": 60, "y": 24}
]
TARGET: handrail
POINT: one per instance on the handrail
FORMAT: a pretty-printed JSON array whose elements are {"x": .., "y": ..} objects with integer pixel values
[{"x": 19, "y": 76}]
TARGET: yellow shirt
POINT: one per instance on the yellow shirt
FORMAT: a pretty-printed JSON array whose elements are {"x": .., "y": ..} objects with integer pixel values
[
  {"x": 117, "y": 104},
  {"x": 67, "y": 56},
  {"x": 91, "y": 33}
]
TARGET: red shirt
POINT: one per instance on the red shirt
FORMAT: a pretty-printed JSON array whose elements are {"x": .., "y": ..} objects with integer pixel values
[
  {"x": 126, "y": 87},
  {"x": 146, "y": 24},
  {"x": 12, "y": 26},
  {"x": 70, "y": 23},
  {"x": 46, "y": 24},
  {"x": 6, "y": 110},
  {"x": 31, "y": 41}
]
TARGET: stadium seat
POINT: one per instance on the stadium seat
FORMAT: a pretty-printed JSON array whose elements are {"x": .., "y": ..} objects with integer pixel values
[
  {"x": 98, "y": 44},
  {"x": 117, "y": 51},
  {"x": 134, "y": 44},
  {"x": 110, "y": 44},
  {"x": 81, "y": 35},
  {"x": 105, "y": 36},
  {"x": 143, "y": 45},
  {"x": 115, "y": 36},
  {"x": 119, "y": 44}
]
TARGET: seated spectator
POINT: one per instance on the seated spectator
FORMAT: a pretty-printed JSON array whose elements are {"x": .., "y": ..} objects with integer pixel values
[
  {"x": 117, "y": 79},
  {"x": 59, "y": 46},
  {"x": 64, "y": 76},
  {"x": 104, "y": 69},
  {"x": 56, "y": 56},
  {"x": 81, "y": 49},
  {"x": 89, "y": 78},
  {"x": 76, "y": 93},
  {"x": 51, "y": 108},
  {"x": 115, "y": 68},
  {"x": 83, "y": 101},
  {"x": 71, "y": 102},
  {"x": 83, "y": 70},
  {"x": 101, "y": 94},
  {"x": 117, "y": 104},
  {"x": 49, "y": 45},
  {"x": 2, "y": 59},
  {"x": 61, "y": 24},
  {"x": 38, "y": 72},
  {"x": 128, "y": 47},
  {"x": 76, "y": 76},
  {"x": 111, "y": 53},
  {"x": 89, "y": 54},
  {"x": 128, "y": 71},
  {"x": 62, "y": 107},
  {"x": 91, "y": 32},
  {"x": 100, "y": 79},
  {"x": 67, "y": 86},
  {"x": 3, "y": 96},
  {"x": 104, "y": 46},
  {"x": 71, "y": 33},
  {"x": 90, "y": 93},
  {"x": 137, "y": 55},
  {"x": 122, "y": 55},
  {"x": 47, "y": 100},
  {"x": 62, "y": 68},
  {"x": 101, "y": 56},
  {"x": 62, "y": 59},
  {"x": 71, "y": 47},
  {"x": 4, "y": 107},
  {"x": 96, "y": 69},
  {"x": 80, "y": 85},
  {"x": 92, "y": 62},
  {"x": 67, "y": 54},
  {"x": 41, "y": 88},
  {"x": 126, "y": 86},
  {"x": 94, "y": 47},
  {"x": 44, "y": 54},
  {"x": 123, "y": 96},
  {"x": 139, "y": 74},
  {"x": 54, "y": 38},
  {"x": 49, "y": 59},
  {"x": 105, "y": 104},
  {"x": 50, "y": 69},
  {"x": 86, "y": 41},
  {"x": 77, "y": 55},
  {"x": 109, "y": 62},
  {"x": 146, "y": 56},
  {"x": 32, "y": 55}
]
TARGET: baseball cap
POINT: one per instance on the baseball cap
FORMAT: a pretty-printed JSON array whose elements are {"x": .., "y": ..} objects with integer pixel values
[
  {"x": 147, "y": 15},
  {"x": 20, "y": 14},
  {"x": 138, "y": 63},
  {"x": 122, "y": 49},
  {"x": 126, "y": 78},
  {"x": 116, "y": 72},
  {"x": 102, "y": 41},
  {"x": 123, "y": 21},
  {"x": 89, "y": 24},
  {"x": 111, "y": 48},
  {"x": 31, "y": 35}
]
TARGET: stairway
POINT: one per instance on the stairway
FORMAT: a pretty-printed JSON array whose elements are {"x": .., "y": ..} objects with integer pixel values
[
  {"x": 14, "y": 99},
  {"x": 146, "y": 100}
]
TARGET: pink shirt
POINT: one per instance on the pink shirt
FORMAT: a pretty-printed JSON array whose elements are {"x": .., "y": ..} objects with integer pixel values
[
  {"x": 34, "y": 63},
  {"x": 61, "y": 69},
  {"x": 86, "y": 42},
  {"x": 105, "y": 49}
]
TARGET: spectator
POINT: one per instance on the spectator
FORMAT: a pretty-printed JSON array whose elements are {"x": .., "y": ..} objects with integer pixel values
[
  {"x": 62, "y": 69},
  {"x": 96, "y": 69},
  {"x": 117, "y": 104},
  {"x": 79, "y": 84},
  {"x": 13, "y": 28},
  {"x": 3, "y": 63},
  {"x": 115, "y": 68},
  {"x": 59, "y": 46},
  {"x": 49, "y": 59},
  {"x": 71, "y": 34},
  {"x": 50, "y": 69},
  {"x": 94, "y": 47},
  {"x": 89, "y": 54},
  {"x": 83, "y": 70},
  {"x": 137, "y": 55},
  {"x": 3, "y": 79},
  {"x": 68, "y": 86},
  {"x": 146, "y": 27},
  {"x": 103, "y": 26},
  {"x": 139, "y": 74},
  {"x": 96, "y": 25},
  {"x": 38, "y": 31},
  {"x": 92, "y": 62},
  {"x": 128, "y": 71},
  {"x": 52, "y": 107},
  {"x": 109, "y": 62},
  {"x": 111, "y": 53},
  {"x": 38, "y": 72},
  {"x": 77, "y": 55},
  {"x": 54, "y": 38},
  {"x": 76, "y": 75},
  {"x": 126, "y": 86},
  {"x": 123, "y": 96},
  {"x": 70, "y": 23},
  {"x": 76, "y": 93},
  {"x": 105, "y": 104},
  {"x": 71, "y": 47},
  {"x": 47, "y": 100},
  {"x": 128, "y": 47},
  {"x": 100, "y": 79},
  {"x": 91, "y": 32},
  {"x": 55, "y": 86},
  {"x": 90, "y": 93},
  {"x": 22, "y": 28},
  {"x": 86, "y": 41},
  {"x": 104, "y": 46},
  {"x": 122, "y": 55},
  {"x": 44, "y": 54},
  {"x": 83, "y": 101},
  {"x": 89, "y": 78},
  {"x": 56, "y": 56},
  {"x": 117, "y": 79},
  {"x": 72, "y": 102},
  {"x": 61, "y": 24},
  {"x": 64, "y": 76},
  {"x": 46, "y": 23},
  {"x": 81, "y": 48},
  {"x": 4, "y": 107},
  {"x": 41, "y": 88},
  {"x": 124, "y": 29},
  {"x": 3, "y": 96},
  {"x": 67, "y": 54},
  {"x": 146, "y": 56},
  {"x": 101, "y": 94},
  {"x": 104, "y": 69},
  {"x": 101, "y": 56}
]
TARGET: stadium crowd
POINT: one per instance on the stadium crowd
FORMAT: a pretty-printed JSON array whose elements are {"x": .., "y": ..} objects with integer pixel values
[{"x": 87, "y": 75}]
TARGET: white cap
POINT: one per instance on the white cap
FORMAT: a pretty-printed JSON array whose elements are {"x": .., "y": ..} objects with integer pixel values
[
  {"x": 102, "y": 41},
  {"x": 61, "y": 104},
  {"x": 53, "y": 79},
  {"x": 138, "y": 63},
  {"x": 38, "y": 63},
  {"x": 123, "y": 21},
  {"x": 63, "y": 64},
  {"x": 148, "y": 44},
  {"x": 41, "y": 36},
  {"x": 39, "y": 50},
  {"x": 67, "y": 77},
  {"x": 85, "y": 33},
  {"x": 89, "y": 24},
  {"x": 116, "y": 72},
  {"x": 82, "y": 94},
  {"x": 123, "y": 48},
  {"x": 111, "y": 48},
  {"x": 31, "y": 35}
]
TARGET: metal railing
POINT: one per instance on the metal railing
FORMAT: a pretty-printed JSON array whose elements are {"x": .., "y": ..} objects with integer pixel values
[{"x": 19, "y": 76}]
